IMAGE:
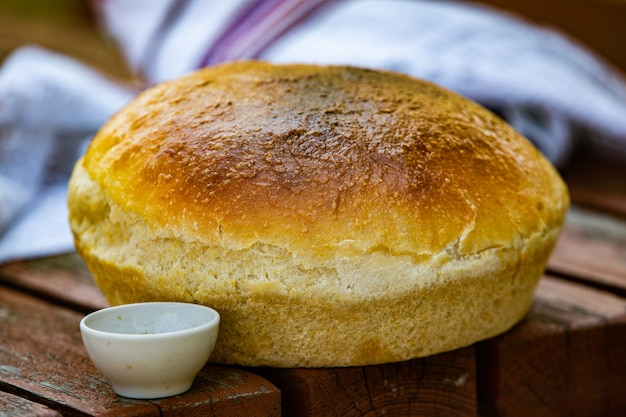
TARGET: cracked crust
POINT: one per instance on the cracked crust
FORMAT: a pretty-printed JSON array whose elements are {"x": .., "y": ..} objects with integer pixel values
[{"x": 315, "y": 206}]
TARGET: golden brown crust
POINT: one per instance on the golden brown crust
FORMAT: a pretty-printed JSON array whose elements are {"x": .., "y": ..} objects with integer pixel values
[{"x": 335, "y": 171}]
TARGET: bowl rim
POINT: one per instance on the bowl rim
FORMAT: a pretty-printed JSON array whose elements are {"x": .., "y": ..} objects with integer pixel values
[{"x": 85, "y": 328}]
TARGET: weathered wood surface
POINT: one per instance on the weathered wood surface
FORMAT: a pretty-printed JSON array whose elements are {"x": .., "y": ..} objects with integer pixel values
[
  {"x": 42, "y": 358},
  {"x": 62, "y": 279},
  {"x": 439, "y": 385},
  {"x": 597, "y": 182},
  {"x": 14, "y": 406},
  {"x": 592, "y": 249},
  {"x": 566, "y": 359}
]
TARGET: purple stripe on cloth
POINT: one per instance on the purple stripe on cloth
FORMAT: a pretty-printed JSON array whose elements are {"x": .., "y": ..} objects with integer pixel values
[
  {"x": 258, "y": 24},
  {"x": 249, "y": 16}
]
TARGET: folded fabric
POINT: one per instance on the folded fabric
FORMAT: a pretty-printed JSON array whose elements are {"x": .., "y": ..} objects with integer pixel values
[
  {"x": 50, "y": 106},
  {"x": 551, "y": 89}
]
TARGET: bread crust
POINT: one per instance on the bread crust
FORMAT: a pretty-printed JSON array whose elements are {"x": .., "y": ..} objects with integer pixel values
[{"x": 315, "y": 207}]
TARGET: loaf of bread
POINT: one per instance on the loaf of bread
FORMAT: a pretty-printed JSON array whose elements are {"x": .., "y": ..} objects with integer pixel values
[{"x": 334, "y": 216}]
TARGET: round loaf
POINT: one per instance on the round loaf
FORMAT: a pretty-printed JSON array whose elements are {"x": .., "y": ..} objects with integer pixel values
[{"x": 334, "y": 216}]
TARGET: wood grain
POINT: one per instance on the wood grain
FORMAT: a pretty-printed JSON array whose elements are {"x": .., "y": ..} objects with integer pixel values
[
  {"x": 42, "y": 359},
  {"x": 14, "y": 406},
  {"x": 440, "y": 385},
  {"x": 592, "y": 249},
  {"x": 597, "y": 181},
  {"x": 567, "y": 358},
  {"x": 62, "y": 279}
]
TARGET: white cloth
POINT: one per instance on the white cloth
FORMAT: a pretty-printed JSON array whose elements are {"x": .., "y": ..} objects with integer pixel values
[
  {"x": 50, "y": 106},
  {"x": 550, "y": 88}
]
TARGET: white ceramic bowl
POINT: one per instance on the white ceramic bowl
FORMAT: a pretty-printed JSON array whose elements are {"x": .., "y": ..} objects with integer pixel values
[{"x": 150, "y": 350}]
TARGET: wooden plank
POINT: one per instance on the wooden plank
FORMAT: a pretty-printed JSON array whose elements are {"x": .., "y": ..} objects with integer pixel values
[
  {"x": 42, "y": 357},
  {"x": 597, "y": 181},
  {"x": 64, "y": 279},
  {"x": 587, "y": 196},
  {"x": 224, "y": 391},
  {"x": 592, "y": 248},
  {"x": 14, "y": 406},
  {"x": 439, "y": 385},
  {"x": 567, "y": 358}
]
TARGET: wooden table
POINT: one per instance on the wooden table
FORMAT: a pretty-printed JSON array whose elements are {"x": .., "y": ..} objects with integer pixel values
[{"x": 566, "y": 358}]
